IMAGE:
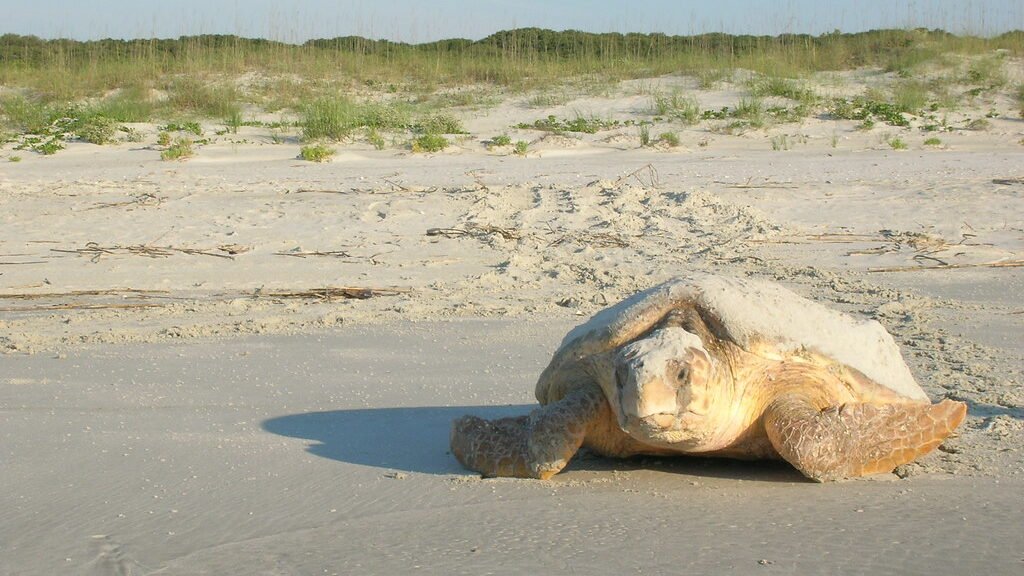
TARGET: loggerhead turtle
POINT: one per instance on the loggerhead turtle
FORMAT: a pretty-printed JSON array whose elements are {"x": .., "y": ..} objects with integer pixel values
[{"x": 718, "y": 366}]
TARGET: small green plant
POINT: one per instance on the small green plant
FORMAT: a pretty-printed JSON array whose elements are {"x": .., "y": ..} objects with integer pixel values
[
  {"x": 676, "y": 106},
  {"x": 14, "y": 158},
  {"x": 645, "y": 135},
  {"x": 233, "y": 120},
  {"x": 670, "y": 139},
  {"x": 131, "y": 134},
  {"x": 783, "y": 88},
  {"x": 179, "y": 150},
  {"x": 45, "y": 145},
  {"x": 374, "y": 137},
  {"x": 96, "y": 129},
  {"x": 987, "y": 71},
  {"x": 520, "y": 147},
  {"x": 164, "y": 138},
  {"x": 316, "y": 153},
  {"x": 897, "y": 143},
  {"x": 429, "y": 143},
  {"x": 865, "y": 109},
  {"x": 191, "y": 127},
  {"x": 501, "y": 140},
  {"x": 933, "y": 142},
  {"x": 708, "y": 78},
  {"x": 583, "y": 124},
  {"x": 780, "y": 142}
]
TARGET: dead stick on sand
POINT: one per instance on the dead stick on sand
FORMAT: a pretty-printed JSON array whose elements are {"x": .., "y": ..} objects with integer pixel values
[
  {"x": 652, "y": 174},
  {"x": 113, "y": 292},
  {"x": 394, "y": 185},
  {"x": 76, "y": 306},
  {"x": 95, "y": 251},
  {"x": 749, "y": 185},
  {"x": 999, "y": 264},
  {"x": 332, "y": 293},
  {"x": 333, "y": 253},
  {"x": 475, "y": 230}
]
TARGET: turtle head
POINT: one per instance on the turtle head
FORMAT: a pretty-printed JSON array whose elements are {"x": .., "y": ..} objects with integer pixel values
[{"x": 665, "y": 388}]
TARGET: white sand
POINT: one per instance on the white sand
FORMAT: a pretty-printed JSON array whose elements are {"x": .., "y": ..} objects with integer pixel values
[{"x": 142, "y": 435}]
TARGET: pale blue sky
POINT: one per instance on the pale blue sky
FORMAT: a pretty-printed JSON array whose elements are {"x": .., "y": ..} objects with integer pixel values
[{"x": 424, "y": 20}]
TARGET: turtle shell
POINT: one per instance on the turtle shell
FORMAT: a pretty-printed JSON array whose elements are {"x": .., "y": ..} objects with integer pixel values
[{"x": 745, "y": 311}]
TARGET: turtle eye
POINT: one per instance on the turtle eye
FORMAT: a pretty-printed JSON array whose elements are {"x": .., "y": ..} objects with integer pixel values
[{"x": 684, "y": 373}]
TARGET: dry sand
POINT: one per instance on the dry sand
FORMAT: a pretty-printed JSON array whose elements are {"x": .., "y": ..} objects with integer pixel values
[{"x": 169, "y": 405}]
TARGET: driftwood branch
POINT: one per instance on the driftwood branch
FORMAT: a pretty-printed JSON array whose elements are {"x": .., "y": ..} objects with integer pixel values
[{"x": 944, "y": 266}]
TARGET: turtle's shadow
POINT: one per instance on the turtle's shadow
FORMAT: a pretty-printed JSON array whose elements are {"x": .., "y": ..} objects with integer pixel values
[{"x": 416, "y": 440}]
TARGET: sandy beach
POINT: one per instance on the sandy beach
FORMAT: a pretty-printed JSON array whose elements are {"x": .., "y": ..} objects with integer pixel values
[{"x": 246, "y": 363}]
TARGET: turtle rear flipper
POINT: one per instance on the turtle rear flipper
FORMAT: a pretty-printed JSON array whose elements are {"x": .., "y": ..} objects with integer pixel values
[
  {"x": 857, "y": 439},
  {"x": 537, "y": 445}
]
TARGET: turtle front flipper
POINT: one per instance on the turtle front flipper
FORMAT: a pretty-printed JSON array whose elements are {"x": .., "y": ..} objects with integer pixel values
[
  {"x": 537, "y": 445},
  {"x": 857, "y": 439}
]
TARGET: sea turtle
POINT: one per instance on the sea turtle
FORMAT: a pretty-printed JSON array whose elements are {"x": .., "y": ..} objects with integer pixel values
[{"x": 719, "y": 366}]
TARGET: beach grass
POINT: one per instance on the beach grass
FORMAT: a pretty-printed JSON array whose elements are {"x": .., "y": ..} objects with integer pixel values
[{"x": 332, "y": 87}]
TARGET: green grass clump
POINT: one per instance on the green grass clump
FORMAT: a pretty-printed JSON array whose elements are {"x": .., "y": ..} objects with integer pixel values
[
  {"x": 520, "y": 147},
  {"x": 14, "y": 158},
  {"x": 987, "y": 71},
  {"x": 335, "y": 118},
  {"x": 440, "y": 123},
  {"x": 780, "y": 142},
  {"x": 676, "y": 106},
  {"x": 896, "y": 143},
  {"x": 429, "y": 143},
  {"x": 27, "y": 115},
  {"x": 933, "y": 141},
  {"x": 316, "y": 153},
  {"x": 753, "y": 111},
  {"x": 192, "y": 95},
  {"x": 331, "y": 118},
  {"x": 383, "y": 116},
  {"x": 783, "y": 88},
  {"x": 128, "y": 105},
  {"x": 374, "y": 137},
  {"x": 645, "y": 135},
  {"x": 708, "y": 78},
  {"x": 670, "y": 139},
  {"x": 234, "y": 120},
  {"x": 501, "y": 140},
  {"x": 910, "y": 96},
  {"x": 179, "y": 150}
]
